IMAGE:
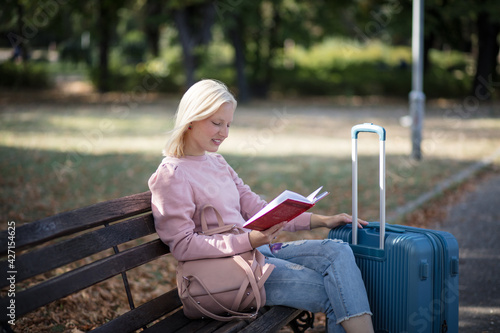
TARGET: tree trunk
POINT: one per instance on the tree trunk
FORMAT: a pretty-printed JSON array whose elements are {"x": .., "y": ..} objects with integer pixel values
[
  {"x": 194, "y": 26},
  {"x": 21, "y": 49},
  {"x": 263, "y": 60},
  {"x": 153, "y": 8},
  {"x": 104, "y": 34},
  {"x": 181, "y": 21},
  {"x": 486, "y": 62},
  {"x": 274, "y": 44},
  {"x": 239, "y": 61}
]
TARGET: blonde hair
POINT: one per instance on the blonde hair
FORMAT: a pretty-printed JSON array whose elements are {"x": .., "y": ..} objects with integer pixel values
[{"x": 199, "y": 102}]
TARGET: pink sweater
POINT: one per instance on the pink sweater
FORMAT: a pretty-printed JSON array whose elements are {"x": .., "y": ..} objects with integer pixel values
[{"x": 181, "y": 187}]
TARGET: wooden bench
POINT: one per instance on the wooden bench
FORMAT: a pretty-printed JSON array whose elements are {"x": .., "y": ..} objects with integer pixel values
[{"x": 124, "y": 229}]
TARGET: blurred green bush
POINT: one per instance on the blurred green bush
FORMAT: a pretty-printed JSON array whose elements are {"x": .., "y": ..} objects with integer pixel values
[
  {"x": 31, "y": 75},
  {"x": 331, "y": 68},
  {"x": 338, "y": 67},
  {"x": 334, "y": 67}
]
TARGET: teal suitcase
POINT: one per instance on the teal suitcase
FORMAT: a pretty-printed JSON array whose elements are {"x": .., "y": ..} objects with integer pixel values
[{"x": 410, "y": 274}]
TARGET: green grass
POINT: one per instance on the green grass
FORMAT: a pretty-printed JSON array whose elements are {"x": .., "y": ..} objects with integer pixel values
[
  {"x": 54, "y": 159},
  {"x": 40, "y": 183}
]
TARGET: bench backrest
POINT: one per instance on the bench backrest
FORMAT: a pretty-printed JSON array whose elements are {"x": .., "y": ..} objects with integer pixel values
[{"x": 56, "y": 241}]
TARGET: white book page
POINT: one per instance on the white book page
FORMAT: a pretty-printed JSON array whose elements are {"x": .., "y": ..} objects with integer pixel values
[{"x": 312, "y": 196}]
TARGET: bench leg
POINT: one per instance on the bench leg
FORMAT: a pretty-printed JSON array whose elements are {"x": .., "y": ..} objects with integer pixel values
[{"x": 303, "y": 321}]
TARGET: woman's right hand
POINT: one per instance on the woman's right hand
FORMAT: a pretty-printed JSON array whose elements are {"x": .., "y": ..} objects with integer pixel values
[{"x": 259, "y": 238}]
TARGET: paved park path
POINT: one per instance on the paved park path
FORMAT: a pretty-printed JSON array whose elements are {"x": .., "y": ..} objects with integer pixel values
[{"x": 475, "y": 222}]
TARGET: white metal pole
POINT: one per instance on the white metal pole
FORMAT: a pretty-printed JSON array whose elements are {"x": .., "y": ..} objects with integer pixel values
[
  {"x": 417, "y": 96},
  {"x": 382, "y": 193},
  {"x": 354, "y": 232}
]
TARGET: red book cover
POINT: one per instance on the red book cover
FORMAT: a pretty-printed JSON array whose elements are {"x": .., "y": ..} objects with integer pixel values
[{"x": 285, "y": 207}]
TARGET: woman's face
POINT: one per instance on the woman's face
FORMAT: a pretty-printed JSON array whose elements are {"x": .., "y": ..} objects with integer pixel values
[{"x": 208, "y": 134}]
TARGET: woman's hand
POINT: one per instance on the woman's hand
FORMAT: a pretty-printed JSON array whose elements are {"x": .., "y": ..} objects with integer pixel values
[
  {"x": 319, "y": 221},
  {"x": 259, "y": 238}
]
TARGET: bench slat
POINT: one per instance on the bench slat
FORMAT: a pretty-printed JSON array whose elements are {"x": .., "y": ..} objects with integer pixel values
[
  {"x": 77, "y": 220},
  {"x": 171, "y": 324},
  {"x": 83, "y": 277},
  {"x": 214, "y": 325},
  {"x": 194, "y": 326},
  {"x": 68, "y": 251},
  {"x": 231, "y": 327},
  {"x": 143, "y": 315},
  {"x": 179, "y": 323},
  {"x": 274, "y": 319},
  {"x": 271, "y": 321}
]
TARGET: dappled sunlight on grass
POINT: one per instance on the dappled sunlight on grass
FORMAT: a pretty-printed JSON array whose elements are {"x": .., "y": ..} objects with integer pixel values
[
  {"x": 64, "y": 158},
  {"x": 84, "y": 130},
  {"x": 265, "y": 132}
]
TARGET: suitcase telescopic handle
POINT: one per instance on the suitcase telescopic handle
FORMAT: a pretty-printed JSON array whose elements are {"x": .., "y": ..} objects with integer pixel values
[{"x": 368, "y": 127}]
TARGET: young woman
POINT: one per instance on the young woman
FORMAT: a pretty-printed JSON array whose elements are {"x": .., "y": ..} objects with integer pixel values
[{"x": 314, "y": 275}]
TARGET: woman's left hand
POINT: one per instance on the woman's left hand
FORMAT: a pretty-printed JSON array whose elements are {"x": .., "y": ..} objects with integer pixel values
[{"x": 322, "y": 221}]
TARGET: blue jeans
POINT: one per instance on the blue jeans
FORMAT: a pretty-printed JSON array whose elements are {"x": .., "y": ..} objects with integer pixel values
[{"x": 318, "y": 276}]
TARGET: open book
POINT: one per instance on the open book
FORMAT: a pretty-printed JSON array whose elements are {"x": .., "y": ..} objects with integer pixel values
[{"x": 285, "y": 207}]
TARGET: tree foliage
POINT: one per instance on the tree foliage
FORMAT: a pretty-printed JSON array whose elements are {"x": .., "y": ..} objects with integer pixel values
[{"x": 260, "y": 32}]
